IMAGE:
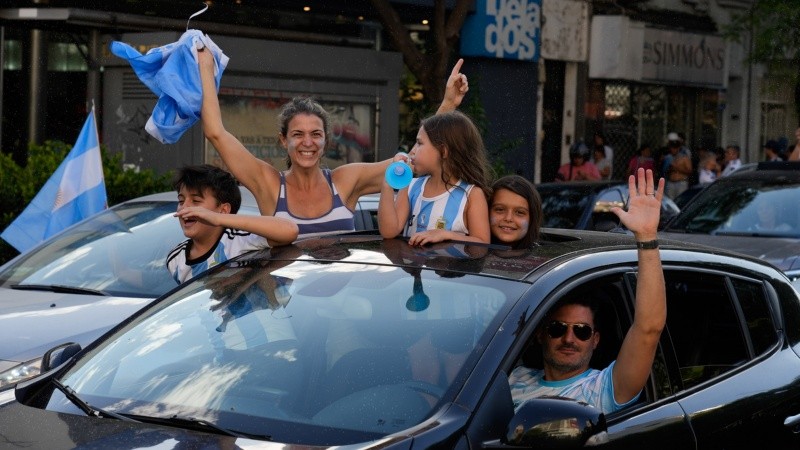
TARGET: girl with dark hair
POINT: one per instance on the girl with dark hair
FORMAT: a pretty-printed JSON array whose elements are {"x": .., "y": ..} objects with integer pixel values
[
  {"x": 515, "y": 212},
  {"x": 449, "y": 200}
]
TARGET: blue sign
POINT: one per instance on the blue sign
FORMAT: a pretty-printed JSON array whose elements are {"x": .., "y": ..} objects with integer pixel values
[{"x": 509, "y": 29}]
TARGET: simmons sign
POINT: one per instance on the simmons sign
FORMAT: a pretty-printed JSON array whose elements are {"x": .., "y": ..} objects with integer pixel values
[
  {"x": 509, "y": 29},
  {"x": 683, "y": 58}
]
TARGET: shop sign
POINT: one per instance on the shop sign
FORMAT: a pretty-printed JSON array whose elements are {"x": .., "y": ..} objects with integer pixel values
[
  {"x": 685, "y": 58},
  {"x": 508, "y": 29}
]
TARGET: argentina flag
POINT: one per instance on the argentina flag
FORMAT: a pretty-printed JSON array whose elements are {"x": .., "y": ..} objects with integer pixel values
[{"x": 75, "y": 191}]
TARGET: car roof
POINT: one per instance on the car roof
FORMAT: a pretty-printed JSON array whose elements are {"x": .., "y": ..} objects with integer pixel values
[
  {"x": 787, "y": 170},
  {"x": 460, "y": 257},
  {"x": 594, "y": 186},
  {"x": 248, "y": 199}
]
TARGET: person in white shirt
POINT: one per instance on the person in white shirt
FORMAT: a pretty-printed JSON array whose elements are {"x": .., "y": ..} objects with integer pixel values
[
  {"x": 731, "y": 160},
  {"x": 607, "y": 160}
]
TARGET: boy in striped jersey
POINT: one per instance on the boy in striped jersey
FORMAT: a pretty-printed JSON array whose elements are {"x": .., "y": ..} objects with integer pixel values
[{"x": 208, "y": 199}]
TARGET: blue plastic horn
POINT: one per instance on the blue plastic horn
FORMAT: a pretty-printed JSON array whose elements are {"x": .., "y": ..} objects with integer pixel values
[{"x": 399, "y": 175}]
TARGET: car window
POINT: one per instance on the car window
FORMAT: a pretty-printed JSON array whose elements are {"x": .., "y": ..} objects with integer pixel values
[
  {"x": 602, "y": 217},
  {"x": 120, "y": 251},
  {"x": 342, "y": 349},
  {"x": 761, "y": 207},
  {"x": 564, "y": 205},
  {"x": 715, "y": 324},
  {"x": 612, "y": 320}
]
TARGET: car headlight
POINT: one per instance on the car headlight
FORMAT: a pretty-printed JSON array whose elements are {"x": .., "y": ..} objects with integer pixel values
[{"x": 20, "y": 372}]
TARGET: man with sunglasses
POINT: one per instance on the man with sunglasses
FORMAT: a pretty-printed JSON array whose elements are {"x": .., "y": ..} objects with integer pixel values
[{"x": 568, "y": 336}]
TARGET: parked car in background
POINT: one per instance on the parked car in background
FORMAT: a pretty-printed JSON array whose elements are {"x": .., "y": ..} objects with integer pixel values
[
  {"x": 366, "y": 213},
  {"x": 78, "y": 284},
  {"x": 586, "y": 205},
  {"x": 360, "y": 342},
  {"x": 686, "y": 196},
  {"x": 755, "y": 212}
]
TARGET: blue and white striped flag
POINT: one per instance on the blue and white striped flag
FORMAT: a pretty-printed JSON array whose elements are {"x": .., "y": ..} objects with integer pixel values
[{"x": 74, "y": 192}]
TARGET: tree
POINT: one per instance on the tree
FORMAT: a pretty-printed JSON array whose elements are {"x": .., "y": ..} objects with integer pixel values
[
  {"x": 770, "y": 35},
  {"x": 429, "y": 65}
]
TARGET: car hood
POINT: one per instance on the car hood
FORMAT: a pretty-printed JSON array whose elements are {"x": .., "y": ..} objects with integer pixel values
[
  {"x": 784, "y": 253},
  {"x": 30, "y": 427},
  {"x": 32, "y": 322}
]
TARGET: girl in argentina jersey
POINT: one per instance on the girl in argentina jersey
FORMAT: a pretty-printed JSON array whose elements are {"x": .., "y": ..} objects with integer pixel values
[{"x": 448, "y": 202}]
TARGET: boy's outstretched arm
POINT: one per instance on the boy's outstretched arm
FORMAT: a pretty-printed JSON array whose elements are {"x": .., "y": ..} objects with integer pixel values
[{"x": 276, "y": 230}]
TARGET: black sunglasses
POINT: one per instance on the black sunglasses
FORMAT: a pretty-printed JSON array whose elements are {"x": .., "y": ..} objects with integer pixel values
[{"x": 556, "y": 329}]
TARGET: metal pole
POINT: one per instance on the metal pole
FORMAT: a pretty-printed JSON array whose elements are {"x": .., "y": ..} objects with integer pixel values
[
  {"x": 2, "y": 71},
  {"x": 37, "y": 87},
  {"x": 93, "y": 72}
]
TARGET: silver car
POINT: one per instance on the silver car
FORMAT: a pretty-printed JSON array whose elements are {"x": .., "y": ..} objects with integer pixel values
[{"x": 78, "y": 284}]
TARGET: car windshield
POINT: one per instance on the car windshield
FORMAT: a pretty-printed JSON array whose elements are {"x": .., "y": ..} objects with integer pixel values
[
  {"x": 746, "y": 207},
  {"x": 564, "y": 204},
  {"x": 307, "y": 352},
  {"x": 120, "y": 252}
]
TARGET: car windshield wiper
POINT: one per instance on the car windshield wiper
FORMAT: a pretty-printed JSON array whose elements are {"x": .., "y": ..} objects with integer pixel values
[
  {"x": 86, "y": 407},
  {"x": 203, "y": 424},
  {"x": 60, "y": 288}
]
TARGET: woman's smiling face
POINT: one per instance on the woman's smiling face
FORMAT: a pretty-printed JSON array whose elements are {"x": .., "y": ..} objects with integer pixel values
[
  {"x": 509, "y": 216},
  {"x": 305, "y": 139}
]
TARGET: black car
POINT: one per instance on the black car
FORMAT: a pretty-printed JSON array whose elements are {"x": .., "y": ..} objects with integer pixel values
[
  {"x": 586, "y": 205},
  {"x": 359, "y": 342},
  {"x": 754, "y": 211}
]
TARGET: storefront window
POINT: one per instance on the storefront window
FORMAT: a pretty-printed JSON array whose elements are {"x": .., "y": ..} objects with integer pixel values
[
  {"x": 12, "y": 55},
  {"x": 66, "y": 57},
  {"x": 252, "y": 116},
  {"x": 630, "y": 115}
]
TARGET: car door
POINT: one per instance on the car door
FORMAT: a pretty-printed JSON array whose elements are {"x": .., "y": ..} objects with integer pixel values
[
  {"x": 656, "y": 420},
  {"x": 737, "y": 379}
]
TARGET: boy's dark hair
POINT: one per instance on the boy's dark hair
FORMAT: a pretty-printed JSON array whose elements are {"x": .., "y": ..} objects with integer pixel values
[{"x": 220, "y": 182}]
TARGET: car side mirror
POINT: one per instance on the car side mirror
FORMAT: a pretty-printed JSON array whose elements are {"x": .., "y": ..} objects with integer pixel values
[
  {"x": 59, "y": 355},
  {"x": 556, "y": 422}
]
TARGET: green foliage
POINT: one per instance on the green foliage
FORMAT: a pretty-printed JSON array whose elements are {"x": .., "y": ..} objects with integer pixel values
[
  {"x": 772, "y": 24},
  {"x": 413, "y": 108},
  {"x": 20, "y": 184},
  {"x": 124, "y": 185}
]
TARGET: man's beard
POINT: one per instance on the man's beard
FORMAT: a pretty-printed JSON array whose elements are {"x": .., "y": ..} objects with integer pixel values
[{"x": 550, "y": 359}]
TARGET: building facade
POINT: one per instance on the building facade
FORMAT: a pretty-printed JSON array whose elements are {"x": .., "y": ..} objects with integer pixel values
[{"x": 546, "y": 73}]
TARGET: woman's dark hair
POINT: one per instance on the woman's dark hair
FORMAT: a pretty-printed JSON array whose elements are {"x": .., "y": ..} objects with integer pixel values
[
  {"x": 303, "y": 105},
  {"x": 524, "y": 188}
]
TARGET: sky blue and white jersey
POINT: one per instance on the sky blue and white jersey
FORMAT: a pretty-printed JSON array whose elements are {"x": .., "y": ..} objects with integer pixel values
[
  {"x": 443, "y": 212},
  {"x": 595, "y": 387},
  {"x": 231, "y": 243}
]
